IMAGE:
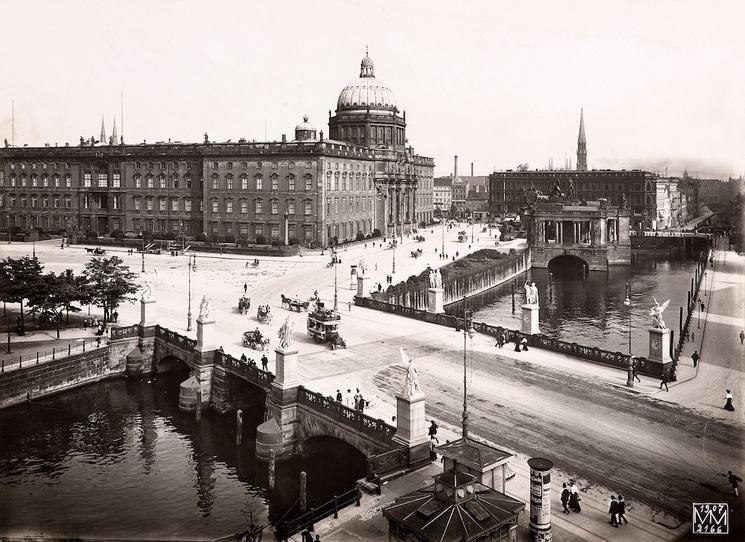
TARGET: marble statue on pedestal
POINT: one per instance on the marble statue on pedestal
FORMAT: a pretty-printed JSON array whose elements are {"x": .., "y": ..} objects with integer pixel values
[
  {"x": 411, "y": 384},
  {"x": 204, "y": 309},
  {"x": 656, "y": 314},
  {"x": 286, "y": 333}
]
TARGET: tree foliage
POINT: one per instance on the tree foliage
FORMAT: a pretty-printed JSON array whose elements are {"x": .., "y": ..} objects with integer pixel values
[
  {"x": 19, "y": 279},
  {"x": 110, "y": 282}
]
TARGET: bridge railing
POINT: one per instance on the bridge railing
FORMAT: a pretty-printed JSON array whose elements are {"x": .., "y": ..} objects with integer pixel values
[
  {"x": 125, "y": 332},
  {"x": 307, "y": 520},
  {"x": 10, "y": 363},
  {"x": 376, "y": 429},
  {"x": 242, "y": 369},
  {"x": 175, "y": 339},
  {"x": 387, "y": 462}
]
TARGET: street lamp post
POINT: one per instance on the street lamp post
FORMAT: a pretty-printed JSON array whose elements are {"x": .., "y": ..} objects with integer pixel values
[
  {"x": 630, "y": 369},
  {"x": 33, "y": 245},
  {"x": 188, "y": 314},
  {"x": 336, "y": 291},
  {"x": 468, "y": 332},
  {"x": 705, "y": 275},
  {"x": 443, "y": 239},
  {"x": 143, "y": 252}
]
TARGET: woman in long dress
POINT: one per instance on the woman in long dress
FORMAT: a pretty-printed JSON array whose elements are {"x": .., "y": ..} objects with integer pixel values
[{"x": 728, "y": 402}]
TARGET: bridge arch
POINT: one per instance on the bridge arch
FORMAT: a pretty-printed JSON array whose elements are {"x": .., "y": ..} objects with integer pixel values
[
  {"x": 312, "y": 426},
  {"x": 335, "y": 452},
  {"x": 567, "y": 265}
]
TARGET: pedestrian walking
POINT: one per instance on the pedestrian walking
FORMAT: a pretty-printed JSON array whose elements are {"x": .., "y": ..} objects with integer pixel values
[
  {"x": 734, "y": 481},
  {"x": 517, "y": 343},
  {"x": 613, "y": 511},
  {"x": 635, "y": 374},
  {"x": 693, "y": 336},
  {"x": 433, "y": 442},
  {"x": 574, "y": 498},
  {"x": 348, "y": 398},
  {"x": 245, "y": 287},
  {"x": 362, "y": 403},
  {"x": 664, "y": 380},
  {"x": 349, "y": 306},
  {"x": 264, "y": 362},
  {"x": 524, "y": 342},
  {"x": 357, "y": 399},
  {"x": 728, "y": 402},
  {"x": 500, "y": 340},
  {"x": 703, "y": 307},
  {"x": 338, "y": 396},
  {"x": 695, "y": 358},
  {"x": 432, "y": 429},
  {"x": 742, "y": 337},
  {"x": 565, "y": 498},
  {"x": 621, "y": 510}
]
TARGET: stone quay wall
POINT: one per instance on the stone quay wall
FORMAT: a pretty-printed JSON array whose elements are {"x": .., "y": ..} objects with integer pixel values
[
  {"x": 472, "y": 274},
  {"x": 19, "y": 386}
]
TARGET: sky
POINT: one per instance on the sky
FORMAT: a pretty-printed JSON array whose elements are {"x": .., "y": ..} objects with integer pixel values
[{"x": 498, "y": 83}]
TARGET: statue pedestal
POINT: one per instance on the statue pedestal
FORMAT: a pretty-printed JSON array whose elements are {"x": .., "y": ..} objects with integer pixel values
[
  {"x": 286, "y": 375},
  {"x": 435, "y": 300},
  {"x": 205, "y": 334},
  {"x": 363, "y": 286},
  {"x": 659, "y": 349},
  {"x": 411, "y": 426},
  {"x": 147, "y": 312},
  {"x": 530, "y": 319}
]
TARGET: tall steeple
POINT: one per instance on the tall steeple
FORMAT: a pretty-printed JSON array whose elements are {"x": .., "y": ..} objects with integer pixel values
[
  {"x": 581, "y": 144},
  {"x": 114, "y": 135},
  {"x": 103, "y": 138}
]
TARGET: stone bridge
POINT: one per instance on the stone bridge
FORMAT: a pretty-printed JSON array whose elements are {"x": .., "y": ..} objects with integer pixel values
[{"x": 294, "y": 413}]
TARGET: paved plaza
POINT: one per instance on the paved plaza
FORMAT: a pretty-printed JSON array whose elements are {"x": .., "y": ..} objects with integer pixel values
[{"x": 534, "y": 403}]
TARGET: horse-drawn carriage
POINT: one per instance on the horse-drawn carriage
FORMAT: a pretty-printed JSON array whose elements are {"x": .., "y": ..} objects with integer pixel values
[
  {"x": 416, "y": 253},
  {"x": 323, "y": 326},
  {"x": 264, "y": 314},
  {"x": 98, "y": 251},
  {"x": 294, "y": 304},
  {"x": 255, "y": 340},
  {"x": 244, "y": 303}
]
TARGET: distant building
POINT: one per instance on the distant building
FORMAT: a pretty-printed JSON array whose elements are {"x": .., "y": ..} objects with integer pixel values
[
  {"x": 464, "y": 185},
  {"x": 443, "y": 194},
  {"x": 366, "y": 177}
]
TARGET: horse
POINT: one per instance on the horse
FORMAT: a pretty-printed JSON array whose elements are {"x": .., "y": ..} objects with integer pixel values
[{"x": 285, "y": 301}]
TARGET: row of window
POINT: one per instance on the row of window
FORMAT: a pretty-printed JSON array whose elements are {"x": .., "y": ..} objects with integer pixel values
[
  {"x": 355, "y": 182},
  {"x": 258, "y": 182},
  {"x": 163, "y": 183},
  {"x": 162, "y": 165},
  {"x": 351, "y": 205},
  {"x": 23, "y": 201},
  {"x": 40, "y": 165},
  {"x": 258, "y": 206},
  {"x": 335, "y": 165},
  {"x": 175, "y": 206},
  {"x": 35, "y": 181},
  {"x": 274, "y": 230},
  {"x": 244, "y": 165}
]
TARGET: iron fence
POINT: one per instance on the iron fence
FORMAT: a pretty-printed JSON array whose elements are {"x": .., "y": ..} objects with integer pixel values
[
  {"x": 307, "y": 520},
  {"x": 13, "y": 363}
]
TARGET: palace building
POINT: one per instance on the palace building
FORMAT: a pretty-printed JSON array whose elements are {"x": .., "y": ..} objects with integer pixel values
[{"x": 312, "y": 189}]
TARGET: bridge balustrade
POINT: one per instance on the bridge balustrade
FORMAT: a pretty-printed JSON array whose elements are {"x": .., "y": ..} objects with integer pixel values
[
  {"x": 125, "y": 332},
  {"x": 249, "y": 372},
  {"x": 175, "y": 339},
  {"x": 386, "y": 462},
  {"x": 371, "y": 427}
]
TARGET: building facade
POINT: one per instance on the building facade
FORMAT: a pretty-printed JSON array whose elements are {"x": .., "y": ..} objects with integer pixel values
[
  {"x": 443, "y": 194},
  {"x": 309, "y": 190}
]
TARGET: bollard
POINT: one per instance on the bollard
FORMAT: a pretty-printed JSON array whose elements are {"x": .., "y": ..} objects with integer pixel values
[
  {"x": 689, "y": 300},
  {"x": 83, "y": 345},
  {"x": 358, "y": 496},
  {"x": 513, "y": 297},
  {"x": 2, "y": 366},
  {"x": 239, "y": 427},
  {"x": 303, "y": 492},
  {"x": 37, "y": 358},
  {"x": 271, "y": 469},
  {"x": 68, "y": 349},
  {"x": 20, "y": 361},
  {"x": 336, "y": 507},
  {"x": 311, "y": 525},
  {"x": 53, "y": 352},
  {"x": 198, "y": 411}
]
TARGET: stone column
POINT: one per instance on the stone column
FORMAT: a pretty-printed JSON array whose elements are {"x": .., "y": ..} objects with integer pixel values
[
  {"x": 540, "y": 499},
  {"x": 279, "y": 432},
  {"x": 411, "y": 427},
  {"x": 286, "y": 368},
  {"x": 530, "y": 319},
  {"x": 148, "y": 312},
  {"x": 659, "y": 349}
]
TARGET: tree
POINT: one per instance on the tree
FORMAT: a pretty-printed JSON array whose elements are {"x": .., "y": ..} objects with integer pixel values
[
  {"x": 49, "y": 297},
  {"x": 19, "y": 278},
  {"x": 109, "y": 283}
]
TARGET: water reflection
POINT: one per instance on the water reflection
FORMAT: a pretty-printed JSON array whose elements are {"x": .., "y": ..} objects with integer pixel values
[
  {"x": 118, "y": 459},
  {"x": 591, "y": 311}
]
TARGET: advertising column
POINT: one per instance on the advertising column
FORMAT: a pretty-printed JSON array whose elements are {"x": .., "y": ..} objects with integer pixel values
[{"x": 540, "y": 499}]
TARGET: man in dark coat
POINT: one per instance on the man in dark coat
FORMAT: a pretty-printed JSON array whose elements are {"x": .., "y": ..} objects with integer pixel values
[
  {"x": 565, "y": 497},
  {"x": 621, "y": 510},
  {"x": 613, "y": 511}
]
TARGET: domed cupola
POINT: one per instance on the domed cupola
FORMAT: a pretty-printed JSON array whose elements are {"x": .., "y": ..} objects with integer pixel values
[
  {"x": 304, "y": 130},
  {"x": 366, "y": 92}
]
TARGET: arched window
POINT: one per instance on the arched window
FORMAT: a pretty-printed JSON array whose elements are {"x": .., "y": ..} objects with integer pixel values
[
  {"x": 275, "y": 206},
  {"x": 308, "y": 181},
  {"x": 174, "y": 204},
  {"x": 328, "y": 181},
  {"x": 290, "y": 206},
  {"x": 344, "y": 181},
  {"x": 187, "y": 179},
  {"x": 138, "y": 180},
  {"x": 290, "y": 182},
  {"x": 215, "y": 206},
  {"x": 258, "y": 206},
  {"x": 244, "y": 182},
  {"x": 34, "y": 180},
  {"x": 259, "y": 182},
  {"x": 308, "y": 204},
  {"x": 229, "y": 205},
  {"x": 275, "y": 182},
  {"x": 162, "y": 179},
  {"x": 229, "y": 181},
  {"x": 215, "y": 182},
  {"x": 149, "y": 181},
  {"x": 174, "y": 179}
]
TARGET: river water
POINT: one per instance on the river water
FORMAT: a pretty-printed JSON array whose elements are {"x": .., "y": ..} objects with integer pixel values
[
  {"x": 118, "y": 460},
  {"x": 591, "y": 311}
]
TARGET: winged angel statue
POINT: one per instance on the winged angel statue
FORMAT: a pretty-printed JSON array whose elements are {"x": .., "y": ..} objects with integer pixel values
[{"x": 656, "y": 313}]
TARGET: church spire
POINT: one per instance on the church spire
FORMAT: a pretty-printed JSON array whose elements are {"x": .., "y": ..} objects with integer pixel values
[
  {"x": 114, "y": 135},
  {"x": 103, "y": 138},
  {"x": 581, "y": 144}
]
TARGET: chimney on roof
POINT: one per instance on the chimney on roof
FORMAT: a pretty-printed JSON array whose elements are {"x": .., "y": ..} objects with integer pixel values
[{"x": 455, "y": 168}]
